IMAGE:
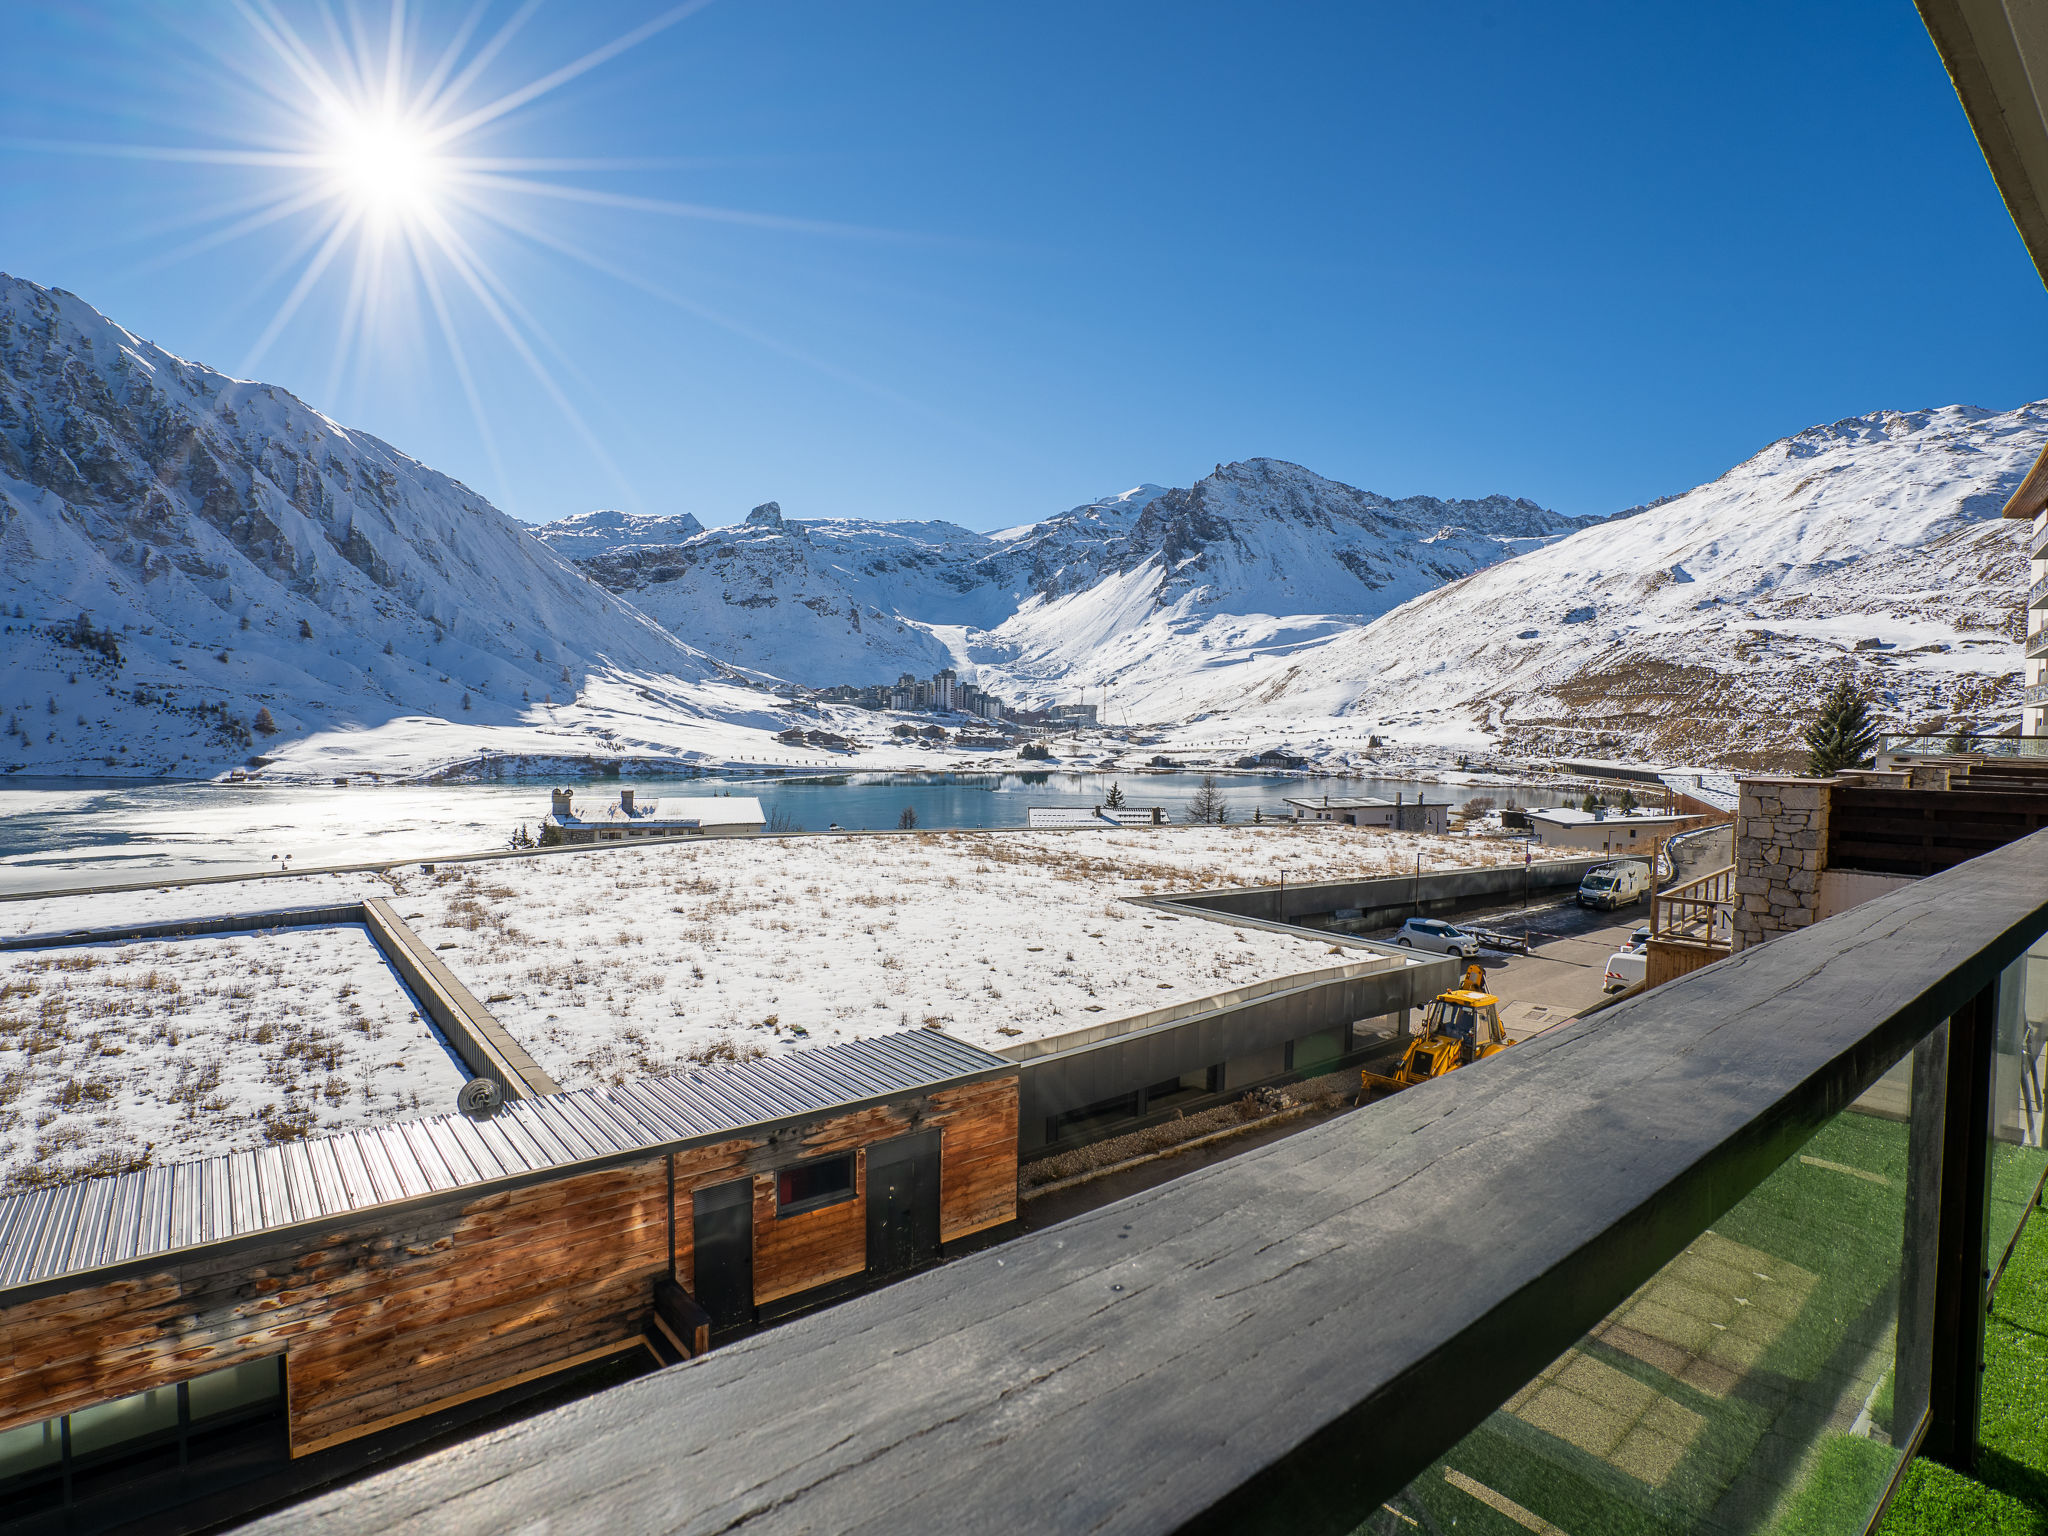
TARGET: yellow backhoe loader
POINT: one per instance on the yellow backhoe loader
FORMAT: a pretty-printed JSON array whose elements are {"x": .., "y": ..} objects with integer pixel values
[{"x": 1457, "y": 1028}]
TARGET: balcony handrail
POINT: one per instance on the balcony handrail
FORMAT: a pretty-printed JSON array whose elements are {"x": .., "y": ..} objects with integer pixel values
[
  {"x": 1283, "y": 1340},
  {"x": 1701, "y": 911}
]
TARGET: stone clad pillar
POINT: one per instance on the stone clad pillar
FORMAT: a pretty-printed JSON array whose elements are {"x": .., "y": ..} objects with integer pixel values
[{"x": 1781, "y": 847}]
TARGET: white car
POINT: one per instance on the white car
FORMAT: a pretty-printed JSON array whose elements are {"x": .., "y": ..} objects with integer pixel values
[
  {"x": 1429, "y": 933},
  {"x": 1625, "y": 967}
]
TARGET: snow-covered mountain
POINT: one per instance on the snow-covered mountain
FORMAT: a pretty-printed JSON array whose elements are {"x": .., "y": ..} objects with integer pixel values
[
  {"x": 1704, "y": 627},
  {"x": 180, "y": 551},
  {"x": 1257, "y": 559},
  {"x": 1117, "y": 592},
  {"x": 597, "y": 533}
]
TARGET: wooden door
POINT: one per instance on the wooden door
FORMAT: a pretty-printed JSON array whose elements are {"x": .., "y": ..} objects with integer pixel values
[
  {"x": 722, "y": 1245},
  {"x": 903, "y": 1203}
]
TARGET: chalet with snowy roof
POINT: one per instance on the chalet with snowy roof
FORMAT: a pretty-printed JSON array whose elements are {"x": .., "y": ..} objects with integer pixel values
[
  {"x": 1399, "y": 814},
  {"x": 671, "y": 816},
  {"x": 1274, "y": 760}
]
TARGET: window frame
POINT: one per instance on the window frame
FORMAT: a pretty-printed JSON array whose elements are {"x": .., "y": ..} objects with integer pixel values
[{"x": 817, "y": 1202}]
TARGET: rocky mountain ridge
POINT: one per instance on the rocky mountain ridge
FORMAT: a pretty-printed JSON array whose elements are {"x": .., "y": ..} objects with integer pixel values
[
  {"x": 830, "y": 601},
  {"x": 182, "y": 552}
]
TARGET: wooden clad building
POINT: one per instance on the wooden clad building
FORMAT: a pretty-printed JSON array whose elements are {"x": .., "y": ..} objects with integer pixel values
[{"x": 353, "y": 1283}]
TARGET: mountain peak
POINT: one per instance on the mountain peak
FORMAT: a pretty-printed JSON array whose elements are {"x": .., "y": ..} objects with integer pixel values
[{"x": 769, "y": 513}]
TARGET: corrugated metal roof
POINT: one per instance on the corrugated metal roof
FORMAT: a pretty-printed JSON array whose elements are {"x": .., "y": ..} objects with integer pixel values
[{"x": 96, "y": 1223}]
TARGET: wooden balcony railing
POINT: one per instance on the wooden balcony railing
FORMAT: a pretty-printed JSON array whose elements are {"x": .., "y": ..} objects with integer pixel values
[{"x": 1701, "y": 911}]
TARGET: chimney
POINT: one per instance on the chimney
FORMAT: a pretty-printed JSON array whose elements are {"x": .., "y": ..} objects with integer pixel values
[
  {"x": 562, "y": 798},
  {"x": 626, "y": 801}
]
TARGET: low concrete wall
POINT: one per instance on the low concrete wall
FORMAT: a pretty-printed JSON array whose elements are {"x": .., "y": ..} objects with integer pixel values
[
  {"x": 191, "y": 927},
  {"x": 1247, "y": 1035},
  {"x": 1393, "y": 898}
]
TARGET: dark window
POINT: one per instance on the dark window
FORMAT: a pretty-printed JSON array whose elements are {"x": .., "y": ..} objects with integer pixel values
[
  {"x": 211, "y": 1431},
  {"x": 807, "y": 1186}
]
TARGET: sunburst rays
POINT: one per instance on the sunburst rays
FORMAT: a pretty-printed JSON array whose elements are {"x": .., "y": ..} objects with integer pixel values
[{"x": 400, "y": 180}]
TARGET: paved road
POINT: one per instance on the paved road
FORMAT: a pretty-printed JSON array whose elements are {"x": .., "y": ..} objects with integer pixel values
[{"x": 1569, "y": 946}]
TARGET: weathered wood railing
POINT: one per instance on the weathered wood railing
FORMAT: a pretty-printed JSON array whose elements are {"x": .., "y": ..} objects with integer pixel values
[
  {"x": 1697, "y": 912},
  {"x": 1282, "y": 1341},
  {"x": 1924, "y": 831}
]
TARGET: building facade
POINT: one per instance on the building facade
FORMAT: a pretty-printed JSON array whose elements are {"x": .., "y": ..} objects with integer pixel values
[
  {"x": 1617, "y": 832},
  {"x": 1396, "y": 815},
  {"x": 631, "y": 819},
  {"x": 2030, "y": 501}
]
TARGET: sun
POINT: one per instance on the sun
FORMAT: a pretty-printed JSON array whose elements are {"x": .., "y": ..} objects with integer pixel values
[{"x": 384, "y": 166}]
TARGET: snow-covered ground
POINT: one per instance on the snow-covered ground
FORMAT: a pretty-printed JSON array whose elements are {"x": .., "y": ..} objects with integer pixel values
[
  {"x": 617, "y": 966},
  {"x": 116, "y": 1056},
  {"x": 170, "y": 904}
]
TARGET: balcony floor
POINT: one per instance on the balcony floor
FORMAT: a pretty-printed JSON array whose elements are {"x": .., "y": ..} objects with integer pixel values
[{"x": 2008, "y": 1495}]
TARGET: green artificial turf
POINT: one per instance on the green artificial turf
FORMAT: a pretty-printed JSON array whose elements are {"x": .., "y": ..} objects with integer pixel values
[{"x": 2007, "y": 1494}]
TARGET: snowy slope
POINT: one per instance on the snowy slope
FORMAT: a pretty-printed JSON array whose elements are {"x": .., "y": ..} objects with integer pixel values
[
  {"x": 1703, "y": 628},
  {"x": 233, "y": 550},
  {"x": 818, "y": 602},
  {"x": 597, "y": 533},
  {"x": 1258, "y": 559},
  {"x": 1131, "y": 589}
]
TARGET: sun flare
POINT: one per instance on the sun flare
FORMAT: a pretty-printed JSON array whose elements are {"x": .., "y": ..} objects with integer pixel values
[{"x": 385, "y": 166}]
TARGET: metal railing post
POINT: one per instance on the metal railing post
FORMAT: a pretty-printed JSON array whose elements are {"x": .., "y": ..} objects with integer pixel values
[{"x": 1955, "y": 1383}]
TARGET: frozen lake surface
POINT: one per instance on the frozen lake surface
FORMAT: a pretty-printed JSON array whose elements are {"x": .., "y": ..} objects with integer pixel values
[{"x": 55, "y": 832}]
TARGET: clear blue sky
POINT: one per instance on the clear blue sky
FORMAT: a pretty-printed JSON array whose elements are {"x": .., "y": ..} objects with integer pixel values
[{"x": 1587, "y": 254}]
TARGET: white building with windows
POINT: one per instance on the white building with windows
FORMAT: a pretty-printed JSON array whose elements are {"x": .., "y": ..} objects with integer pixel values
[
  {"x": 1608, "y": 831},
  {"x": 672, "y": 816}
]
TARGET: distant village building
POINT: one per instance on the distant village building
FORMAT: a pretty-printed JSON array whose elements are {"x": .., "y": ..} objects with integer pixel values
[
  {"x": 685, "y": 816},
  {"x": 1396, "y": 815},
  {"x": 1609, "y": 831},
  {"x": 1097, "y": 816},
  {"x": 1072, "y": 714},
  {"x": 1273, "y": 758}
]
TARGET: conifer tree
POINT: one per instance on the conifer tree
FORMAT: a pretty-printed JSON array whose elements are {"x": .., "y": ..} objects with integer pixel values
[
  {"x": 265, "y": 721},
  {"x": 1842, "y": 734},
  {"x": 1115, "y": 798},
  {"x": 1208, "y": 805}
]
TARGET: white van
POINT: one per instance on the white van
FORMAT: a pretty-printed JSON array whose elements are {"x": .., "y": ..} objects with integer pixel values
[
  {"x": 1625, "y": 967},
  {"x": 1620, "y": 884}
]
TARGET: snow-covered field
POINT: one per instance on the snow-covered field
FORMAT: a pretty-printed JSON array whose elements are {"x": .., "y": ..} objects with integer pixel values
[
  {"x": 116, "y": 1056},
  {"x": 170, "y": 904},
  {"x": 635, "y": 961}
]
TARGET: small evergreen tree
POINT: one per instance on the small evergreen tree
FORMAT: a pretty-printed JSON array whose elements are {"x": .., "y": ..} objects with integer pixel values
[
  {"x": 1115, "y": 798},
  {"x": 1591, "y": 803},
  {"x": 465, "y": 701},
  {"x": 907, "y": 822},
  {"x": 265, "y": 722},
  {"x": 1842, "y": 735},
  {"x": 1628, "y": 801},
  {"x": 305, "y": 629}
]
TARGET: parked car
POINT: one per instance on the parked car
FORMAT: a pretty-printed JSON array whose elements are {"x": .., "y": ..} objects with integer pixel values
[
  {"x": 1619, "y": 884},
  {"x": 1429, "y": 933},
  {"x": 1639, "y": 941},
  {"x": 1625, "y": 967}
]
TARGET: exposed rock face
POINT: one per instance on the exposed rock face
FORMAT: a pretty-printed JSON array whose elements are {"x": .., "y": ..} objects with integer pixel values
[
  {"x": 1094, "y": 591},
  {"x": 598, "y": 533},
  {"x": 1706, "y": 628}
]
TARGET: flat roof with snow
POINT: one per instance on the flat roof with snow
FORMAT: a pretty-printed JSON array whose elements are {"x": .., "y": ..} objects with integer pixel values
[
  {"x": 678, "y": 811},
  {"x": 1562, "y": 817}
]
